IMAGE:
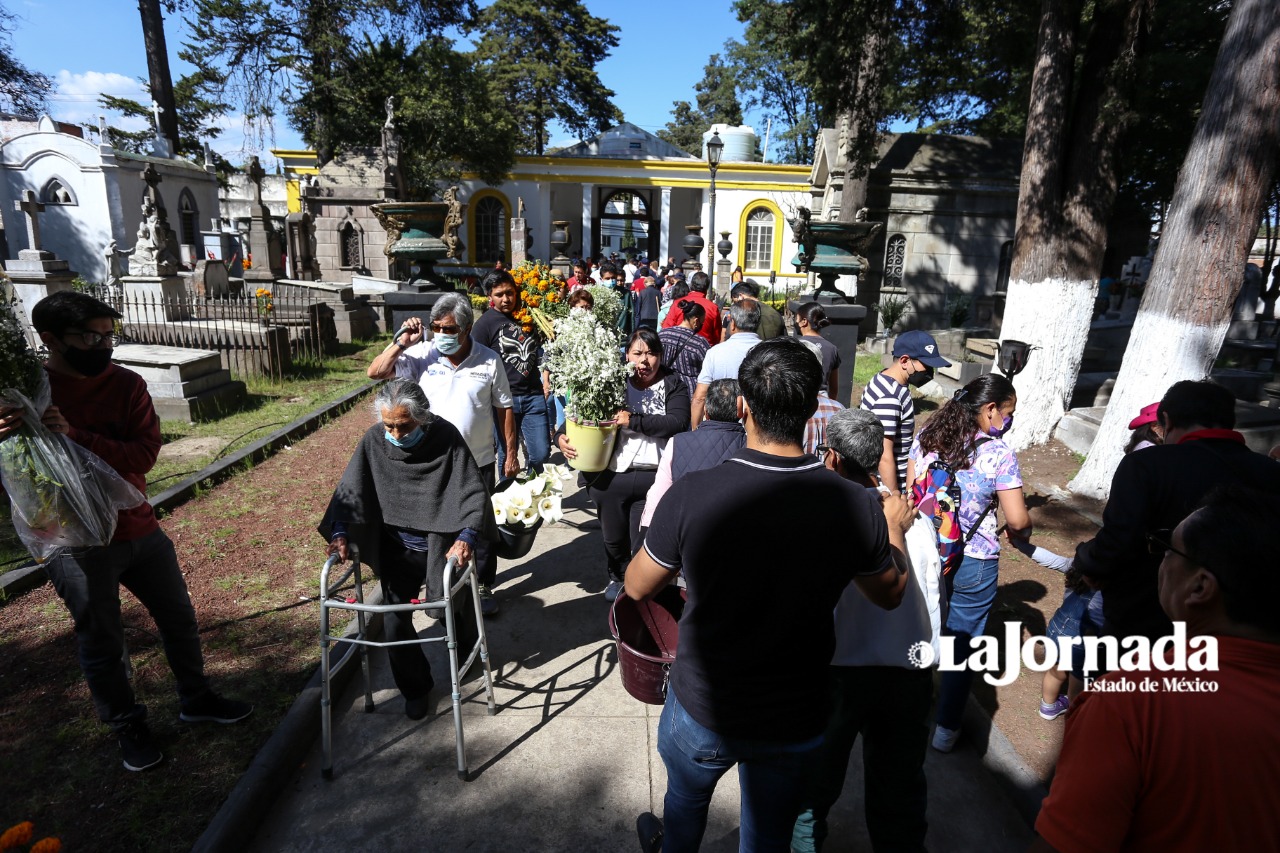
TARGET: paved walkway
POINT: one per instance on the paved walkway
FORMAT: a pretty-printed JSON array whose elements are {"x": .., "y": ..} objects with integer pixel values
[{"x": 570, "y": 759}]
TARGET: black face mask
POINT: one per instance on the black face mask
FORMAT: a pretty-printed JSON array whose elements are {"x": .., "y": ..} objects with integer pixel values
[
  {"x": 920, "y": 377},
  {"x": 90, "y": 362}
]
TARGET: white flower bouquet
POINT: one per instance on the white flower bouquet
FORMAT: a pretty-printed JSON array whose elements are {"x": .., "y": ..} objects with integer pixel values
[
  {"x": 608, "y": 304},
  {"x": 532, "y": 499},
  {"x": 586, "y": 367}
]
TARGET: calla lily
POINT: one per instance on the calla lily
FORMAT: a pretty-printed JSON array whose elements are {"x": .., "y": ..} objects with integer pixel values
[
  {"x": 513, "y": 515},
  {"x": 500, "y": 514},
  {"x": 549, "y": 509},
  {"x": 537, "y": 485},
  {"x": 518, "y": 497},
  {"x": 529, "y": 516},
  {"x": 499, "y": 501}
]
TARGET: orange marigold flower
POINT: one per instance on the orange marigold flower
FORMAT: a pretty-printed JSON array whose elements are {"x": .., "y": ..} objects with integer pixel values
[
  {"x": 17, "y": 835},
  {"x": 47, "y": 845}
]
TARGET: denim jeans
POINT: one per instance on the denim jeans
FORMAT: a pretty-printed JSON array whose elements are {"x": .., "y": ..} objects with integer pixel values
[
  {"x": 88, "y": 581},
  {"x": 971, "y": 589},
  {"x": 771, "y": 775},
  {"x": 531, "y": 425},
  {"x": 889, "y": 707}
]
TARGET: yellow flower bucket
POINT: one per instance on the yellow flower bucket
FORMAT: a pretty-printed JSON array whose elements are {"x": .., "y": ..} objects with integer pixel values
[{"x": 593, "y": 442}]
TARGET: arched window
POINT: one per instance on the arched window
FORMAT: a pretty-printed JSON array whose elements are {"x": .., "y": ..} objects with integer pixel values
[
  {"x": 491, "y": 230},
  {"x": 188, "y": 217},
  {"x": 761, "y": 224},
  {"x": 56, "y": 192},
  {"x": 1006, "y": 261},
  {"x": 348, "y": 246},
  {"x": 895, "y": 260}
]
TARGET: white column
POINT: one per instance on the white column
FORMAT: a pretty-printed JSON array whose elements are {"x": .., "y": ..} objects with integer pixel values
[
  {"x": 588, "y": 197},
  {"x": 541, "y": 242},
  {"x": 664, "y": 234}
]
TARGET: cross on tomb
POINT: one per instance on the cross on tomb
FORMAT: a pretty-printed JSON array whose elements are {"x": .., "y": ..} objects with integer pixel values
[
  {"x": 31, "y": 206},
  {"x": 151, "y": 178},
  {"x": 256, "y": 175},
  {"x": 156, "y": 109}
]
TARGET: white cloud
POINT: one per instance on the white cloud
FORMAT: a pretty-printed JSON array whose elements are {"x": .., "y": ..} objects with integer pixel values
[{"x": 76, "y": 98}]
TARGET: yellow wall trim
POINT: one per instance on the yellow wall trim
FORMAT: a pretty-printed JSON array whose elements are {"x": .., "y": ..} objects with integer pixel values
[{"x": 778, "y": 222}]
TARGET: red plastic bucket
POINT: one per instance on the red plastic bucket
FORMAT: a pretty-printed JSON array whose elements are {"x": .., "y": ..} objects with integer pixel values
[{"x": 646, "y": 634}]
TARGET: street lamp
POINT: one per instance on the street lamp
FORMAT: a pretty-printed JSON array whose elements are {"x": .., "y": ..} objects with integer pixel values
[{"x": 714, "y": 149}]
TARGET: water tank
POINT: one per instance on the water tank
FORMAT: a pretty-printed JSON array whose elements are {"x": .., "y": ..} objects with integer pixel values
[{"x": 739, "y": 143}]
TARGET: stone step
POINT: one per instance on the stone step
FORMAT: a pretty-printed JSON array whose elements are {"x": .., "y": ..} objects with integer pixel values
[{"x": 212, "y": 403}]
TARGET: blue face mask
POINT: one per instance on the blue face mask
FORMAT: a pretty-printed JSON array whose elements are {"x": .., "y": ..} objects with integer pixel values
[
  {"x": 447, "y": 344},
  {"x": 410, "y": 440}
]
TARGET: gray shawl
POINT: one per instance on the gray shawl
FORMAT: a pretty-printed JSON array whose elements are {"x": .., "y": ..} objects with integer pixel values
[{"x": 434, "y": 488}]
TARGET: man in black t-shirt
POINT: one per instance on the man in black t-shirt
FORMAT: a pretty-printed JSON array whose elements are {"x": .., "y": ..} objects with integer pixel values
[
  {"x": 501, "y": 332},
  {"x": 749, "y": 683}
]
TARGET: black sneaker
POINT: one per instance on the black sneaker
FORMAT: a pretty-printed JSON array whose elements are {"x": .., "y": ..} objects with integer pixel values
[
  {"x": 137, "y": 748},
  {"x": 488, "y": 604},
  {"x": 612, "y": 591},
  {"x": 212, "y": 708},
  {"x": 649, "y": 828}
]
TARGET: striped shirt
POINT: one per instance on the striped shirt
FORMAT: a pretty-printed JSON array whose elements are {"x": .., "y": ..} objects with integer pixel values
[{"x": 890, "y": 401}]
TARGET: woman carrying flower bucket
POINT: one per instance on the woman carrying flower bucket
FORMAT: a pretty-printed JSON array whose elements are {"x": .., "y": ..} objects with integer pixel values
[{"x": 656, "y": 407}]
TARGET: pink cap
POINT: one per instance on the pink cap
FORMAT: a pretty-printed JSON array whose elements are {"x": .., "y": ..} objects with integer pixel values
[{"x": 1146, "y": 416}]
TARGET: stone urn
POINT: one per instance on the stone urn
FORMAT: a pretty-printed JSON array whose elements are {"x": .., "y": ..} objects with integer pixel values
[
  {"x": 693, "y": 243},
  {"x": 560, "y": 237},
  {"x": 420, "y": 232},
  {"x": 724, "y": 247}
]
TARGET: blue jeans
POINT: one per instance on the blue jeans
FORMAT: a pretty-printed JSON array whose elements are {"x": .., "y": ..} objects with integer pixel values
[
  {"x": 771, "y": 775},
  {"x": 971, "y": 589},
  {"x": 88, "y": 581},
  {"x": 531, "y": 424}
]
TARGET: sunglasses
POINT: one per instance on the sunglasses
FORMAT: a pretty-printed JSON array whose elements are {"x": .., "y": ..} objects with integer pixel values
[
  {"x": 444, "y": 330},
  {"x": 1160, "y": 542}
]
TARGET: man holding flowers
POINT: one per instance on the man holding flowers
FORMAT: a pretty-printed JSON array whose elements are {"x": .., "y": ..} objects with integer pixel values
[{"x": 106, "y": 409}]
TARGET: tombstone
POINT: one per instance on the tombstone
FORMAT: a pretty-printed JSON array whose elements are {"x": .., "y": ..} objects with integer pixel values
[
  {"x": 519, "y": 237},
  {"x": 210, "y": 280},
  {"x": 184, "y": 383},
  {"x": 223, "y": 245},
  {"x": 300, "y": 238},
  {"x": 1244, "y": 314},
  {"x": 152, "y": 289},
  {"x": 264, "y": 239},
  {"x": 36, "y": 273}
]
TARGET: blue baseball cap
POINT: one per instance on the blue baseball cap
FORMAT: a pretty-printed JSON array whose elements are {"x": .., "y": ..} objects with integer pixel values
[{"x": 921, "y": 346}]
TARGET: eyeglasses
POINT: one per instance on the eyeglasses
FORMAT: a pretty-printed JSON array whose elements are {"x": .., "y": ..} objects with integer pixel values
[
  {"x": 1161, "y": 541},
  {"x": 445, "y": 330},
  {"x": 92, "y": 339}
]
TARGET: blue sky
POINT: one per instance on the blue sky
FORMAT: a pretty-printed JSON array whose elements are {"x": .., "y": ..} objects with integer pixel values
[{"x": 94, "y": 46}]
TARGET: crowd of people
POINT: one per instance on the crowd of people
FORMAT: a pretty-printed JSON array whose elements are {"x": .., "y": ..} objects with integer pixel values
[{"x": 728, "y": 418}]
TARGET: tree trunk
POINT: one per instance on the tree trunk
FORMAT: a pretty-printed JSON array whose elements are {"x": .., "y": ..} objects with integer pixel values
[
  {"x": 1067, "y": 191},
  {"x": 1213, "y": 219},
  {"x": 158, "y": 69},
  {"x": 864, "y": 115}
]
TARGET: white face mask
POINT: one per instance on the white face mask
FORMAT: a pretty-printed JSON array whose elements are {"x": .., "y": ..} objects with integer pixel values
[{"x": 448, "y": 344}]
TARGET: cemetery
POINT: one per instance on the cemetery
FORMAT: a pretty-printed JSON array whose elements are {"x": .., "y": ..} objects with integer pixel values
[{"x": 1078, "y": 239}]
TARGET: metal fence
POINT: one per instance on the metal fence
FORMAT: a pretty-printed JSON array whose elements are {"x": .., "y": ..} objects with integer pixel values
[{"x": 256, "y": 336}]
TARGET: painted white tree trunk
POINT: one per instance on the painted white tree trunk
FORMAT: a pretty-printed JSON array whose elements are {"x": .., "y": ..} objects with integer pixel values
[
  {"x": 1162, "y": 350},
  {"x": 1053, "y": 316},
  {"x": 1213, "y": 219}
]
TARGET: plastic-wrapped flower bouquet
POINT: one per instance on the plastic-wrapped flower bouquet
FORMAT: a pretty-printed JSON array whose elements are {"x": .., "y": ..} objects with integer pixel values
[{"x": 61, "y": 495}]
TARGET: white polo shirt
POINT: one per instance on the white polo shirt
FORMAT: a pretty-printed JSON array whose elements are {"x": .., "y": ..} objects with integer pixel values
[{"x": 465, "y": 395}]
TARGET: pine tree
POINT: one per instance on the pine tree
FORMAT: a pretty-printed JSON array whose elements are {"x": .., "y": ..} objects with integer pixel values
[
  {"x": 542, "y": 58},
  {"x": 22, "y": 90}
]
